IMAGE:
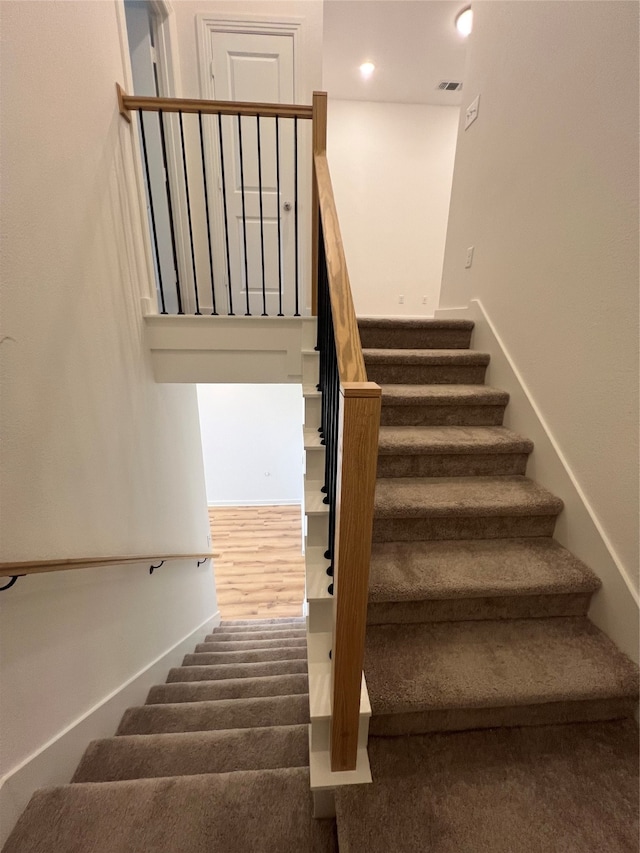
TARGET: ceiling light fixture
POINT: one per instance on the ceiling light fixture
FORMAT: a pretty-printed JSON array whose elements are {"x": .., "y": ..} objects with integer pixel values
[
  {"x": 367, "y": 69},
  {"x": 464, "y": 21}
]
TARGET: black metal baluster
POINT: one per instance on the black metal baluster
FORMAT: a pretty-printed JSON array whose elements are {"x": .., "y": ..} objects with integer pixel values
[
  {"x": 206, "y": 208},
  {"x": 170, "y": 206},
  {"x": 280, "y": 314},
  {"x": 244, "y": 217},
  {"x": 186, "y": 192},
  {"x": 224, "y": 205},
  {"x": 295, "y": 158},
  {"x": 152, "y": 215},
  {"x": 264, "y": 290}
]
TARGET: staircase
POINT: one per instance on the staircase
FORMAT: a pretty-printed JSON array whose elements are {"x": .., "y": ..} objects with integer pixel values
[
  {"x": 501, "y": 716},
  {"x": 216, "y": 760}
]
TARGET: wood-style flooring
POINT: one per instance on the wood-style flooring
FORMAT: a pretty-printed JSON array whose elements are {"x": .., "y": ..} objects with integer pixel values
[{"x": 260, "y": 571}]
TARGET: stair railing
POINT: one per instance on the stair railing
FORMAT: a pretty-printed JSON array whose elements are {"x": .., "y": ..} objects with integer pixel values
[
  {"x": 350, "y": 404},
  {"x": 216, "y": 175},
  {"x": 349, "y": 428}
]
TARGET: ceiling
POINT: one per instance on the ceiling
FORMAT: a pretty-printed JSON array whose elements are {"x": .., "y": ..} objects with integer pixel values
[{"x": 413, "y": 43}]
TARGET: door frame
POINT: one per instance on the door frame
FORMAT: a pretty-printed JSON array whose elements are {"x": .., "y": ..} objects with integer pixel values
[{"x": 258, "y": 24}]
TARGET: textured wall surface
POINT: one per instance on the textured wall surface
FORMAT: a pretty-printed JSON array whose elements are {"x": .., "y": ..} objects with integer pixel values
[{"x": 546, "y": 189}]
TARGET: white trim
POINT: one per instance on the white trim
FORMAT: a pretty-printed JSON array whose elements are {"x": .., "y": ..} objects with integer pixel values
[
  {"x": 55, "y": 761},
  {"x": 615, "y": 607},
  {"x": 282, "y": 502}
]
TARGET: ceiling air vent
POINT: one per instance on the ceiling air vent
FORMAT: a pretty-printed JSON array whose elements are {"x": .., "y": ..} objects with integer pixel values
[{"x": 449, "y": 85}]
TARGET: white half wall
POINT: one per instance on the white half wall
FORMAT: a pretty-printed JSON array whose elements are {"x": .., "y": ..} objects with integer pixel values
[
  {"x": 391, "y": 168},
  {"x": 97, "y": 458},
  {"x": 252, "y": 443},
  {"x": 546, "y": 189}
]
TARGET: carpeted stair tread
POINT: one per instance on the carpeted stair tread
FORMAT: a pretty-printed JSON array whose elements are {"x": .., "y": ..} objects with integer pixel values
[
  {"x": 220, "y": 714},
  {"x": 238, "y": 636},
  {"x": 544, "y": 789},
  {"x": 450, "y": 439},
  {"x": 438, "y": 395},
  {"x": 492, "y": 664},
  {"x": 231, "y": 688},
  {"x": 245, "y": 656},
  {"x": 213, "y": 813},
  {"x": 215, "y": 645},
  {"x": 426, "y": 356},
  {"x": 412, "y": 497},
  {"x": 410, "y": 571},
  {"x": 381, "y": 332},
  {"x": 191, "y": 753},
  {"x": 261, "y": 624},
  {"x": 213, "y": 672}
]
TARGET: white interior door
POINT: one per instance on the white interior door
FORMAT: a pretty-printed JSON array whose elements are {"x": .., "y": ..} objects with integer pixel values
[
  {"x": 145, "y": 82},
  {"x": 265, "y": 258}
]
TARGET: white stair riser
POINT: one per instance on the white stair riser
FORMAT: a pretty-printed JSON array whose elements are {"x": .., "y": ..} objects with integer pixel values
[
  {"x": 310, "y": 368},
  {"x": 321, "y": 615},
  {"x": 317, "y": 530},
  {"x": 312, "y": 412},
  {"x": 315, "y": 463}
]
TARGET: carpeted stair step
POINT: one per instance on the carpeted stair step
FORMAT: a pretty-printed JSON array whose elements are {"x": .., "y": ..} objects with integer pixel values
[
  {"x": 463, "y": 579},
  {"x": 231, "y": 688},
  {"x": 195, "y": 672},
  {"x": 544, "y": 789},
  {"x": 230, "y": 812},
  {"x": 413, "y": 509},
  {"x": 261, "y": 624},
  {"x": 465, "y": 675},
  {"x": 451, "y": 451},
  {"x": 214, "y": 645},
  {"x": 383, "y": 333},
  {"x": 221, "y": 714},
  {"x": 246, "y": 656},
  {"x": 427, "y": 367},
  {"x": 238, "y": 636},
  {"x": 442, "y": 405},
  {"x": 189, "y": 753}
]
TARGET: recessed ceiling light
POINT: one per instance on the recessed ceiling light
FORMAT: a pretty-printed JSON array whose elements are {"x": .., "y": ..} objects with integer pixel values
[
  {"x": 367, "y": 69},
  {"x": 464, "y": 21}
]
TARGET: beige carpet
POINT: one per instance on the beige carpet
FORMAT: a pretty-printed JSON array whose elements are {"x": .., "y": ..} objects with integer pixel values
[
  {"x": 502, "y": 718},
  {"x": 214, "y": 763}
]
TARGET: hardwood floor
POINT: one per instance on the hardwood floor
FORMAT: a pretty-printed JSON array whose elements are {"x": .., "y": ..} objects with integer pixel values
[{"x": 260, "y": 570}]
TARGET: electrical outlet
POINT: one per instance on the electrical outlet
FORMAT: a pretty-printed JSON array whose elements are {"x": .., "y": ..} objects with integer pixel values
[
  {"x": 401, "y": 299},
  {"x": 469, "y": 260},
  {"x": 424, "y": 300},
  {"x": 472, "y": 112}
]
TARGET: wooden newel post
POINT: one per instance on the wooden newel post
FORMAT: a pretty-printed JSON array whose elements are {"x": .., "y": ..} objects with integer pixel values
[
  {"x": 319, "y": 121},
  {"x": 358, "y": 440}
]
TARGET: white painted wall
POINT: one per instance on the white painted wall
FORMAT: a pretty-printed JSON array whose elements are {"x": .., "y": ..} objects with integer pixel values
[
  {"x": 391, "y": 168},
  {"x": 251, "y": 443},
  {"x": 96, "y": 457},
  {"x": 546, "y": 189}
]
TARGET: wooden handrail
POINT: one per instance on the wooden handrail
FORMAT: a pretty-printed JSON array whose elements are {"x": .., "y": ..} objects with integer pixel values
[
  {"x": 126, "y": 103},
  {"x": 32, "y": 567},
  {"x": 348, "y": 346}
]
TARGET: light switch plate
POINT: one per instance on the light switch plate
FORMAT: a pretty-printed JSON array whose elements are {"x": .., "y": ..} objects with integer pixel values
[{"x": 472, "y": 112}]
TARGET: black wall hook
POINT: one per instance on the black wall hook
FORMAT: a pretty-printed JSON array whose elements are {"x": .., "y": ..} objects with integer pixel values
[
  {"x": 11, "y": 582},
  {"x": 151, "y": 568},
  {"x": 200, "y": 562}
]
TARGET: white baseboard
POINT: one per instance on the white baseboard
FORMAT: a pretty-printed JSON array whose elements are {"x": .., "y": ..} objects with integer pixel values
[
  {"x": 615, "y": 608},
  {"x": 55, "y": 762},
  {"x": 283, "y": 502}
]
